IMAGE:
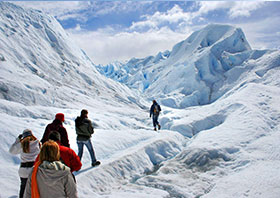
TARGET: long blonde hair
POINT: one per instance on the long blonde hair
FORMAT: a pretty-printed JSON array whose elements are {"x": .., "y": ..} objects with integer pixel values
[
  {"x": 49, "y": 152},
  {"x": 25, "y": 143}
]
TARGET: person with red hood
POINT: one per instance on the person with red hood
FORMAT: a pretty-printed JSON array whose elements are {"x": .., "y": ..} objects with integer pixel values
[
  {"x": 67, "y": 155},
  {"x": 57, "y": 125}
]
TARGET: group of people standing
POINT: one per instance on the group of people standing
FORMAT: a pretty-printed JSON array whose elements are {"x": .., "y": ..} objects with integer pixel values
[{"x": 46, "y": 171}]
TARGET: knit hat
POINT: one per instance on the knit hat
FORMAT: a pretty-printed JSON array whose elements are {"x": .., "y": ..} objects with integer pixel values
[
  {"x": 26, "y": 133},
  {"x": 60, "y": 116}
]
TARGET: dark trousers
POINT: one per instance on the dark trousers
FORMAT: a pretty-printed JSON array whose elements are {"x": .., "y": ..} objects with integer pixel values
[
  {"x": 155, "y": 120},
  {"x": 22, "y": 186}
]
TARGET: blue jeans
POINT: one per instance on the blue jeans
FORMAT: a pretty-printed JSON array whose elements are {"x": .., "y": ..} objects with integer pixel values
[
  {"x": 155, "y": 120},
  {"x": 89, "y": 147}
]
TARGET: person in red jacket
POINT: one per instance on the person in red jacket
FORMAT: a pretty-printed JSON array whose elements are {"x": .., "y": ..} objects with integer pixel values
[
  {"x": 57, "y": 125},
  {"x": 67, "y": 155}
]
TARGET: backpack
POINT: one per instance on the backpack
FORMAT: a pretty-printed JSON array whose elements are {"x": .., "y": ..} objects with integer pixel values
[{"x": 156, "y": 109}]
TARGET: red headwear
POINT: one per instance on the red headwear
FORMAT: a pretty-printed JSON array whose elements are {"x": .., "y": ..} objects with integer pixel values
[{"x": 60, "y": 116}]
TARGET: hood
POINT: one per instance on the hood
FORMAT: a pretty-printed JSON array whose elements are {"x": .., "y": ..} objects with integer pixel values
[
  {"x": 53, "y": 172},
  {"x": 79, "y": 121}
]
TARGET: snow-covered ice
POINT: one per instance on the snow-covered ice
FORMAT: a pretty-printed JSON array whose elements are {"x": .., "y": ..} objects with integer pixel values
[{"x": 220, "y": 111}]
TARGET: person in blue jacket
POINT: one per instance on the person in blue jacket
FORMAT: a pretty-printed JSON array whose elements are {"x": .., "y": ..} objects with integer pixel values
[{"x": 154, "y": 111}]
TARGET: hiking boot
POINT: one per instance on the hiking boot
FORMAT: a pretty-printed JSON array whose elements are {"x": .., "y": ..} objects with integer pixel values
[
  {"x": 95, "y": 163},
  {"x": 158, "y": 126},
  {"x": 155, "y": 129}
]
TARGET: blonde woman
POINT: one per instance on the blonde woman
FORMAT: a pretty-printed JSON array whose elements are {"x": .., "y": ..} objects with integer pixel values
[
  {"x": 28, "y": 147},
  {"x": 50, "y": 177}
]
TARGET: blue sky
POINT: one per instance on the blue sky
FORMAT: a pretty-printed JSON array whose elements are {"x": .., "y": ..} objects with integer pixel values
[{"x": 119, "y": 30}]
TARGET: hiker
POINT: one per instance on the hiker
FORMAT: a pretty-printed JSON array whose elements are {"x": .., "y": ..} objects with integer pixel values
[
  {"x": 50, "y": 177},
  {"x": 28, "y": 147},
  {"x": 57, "y": 125},
  {"x": 155, "y": 110},
  {"x": 84, "y": 130},
  {"x": 67, "y": 155}
]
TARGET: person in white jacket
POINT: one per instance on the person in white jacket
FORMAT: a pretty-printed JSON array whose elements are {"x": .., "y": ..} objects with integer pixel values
[{"x": 27, "y": 145}]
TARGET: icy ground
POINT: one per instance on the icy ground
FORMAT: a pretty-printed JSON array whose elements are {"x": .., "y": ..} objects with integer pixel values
[{"x": 227, "y": 147}]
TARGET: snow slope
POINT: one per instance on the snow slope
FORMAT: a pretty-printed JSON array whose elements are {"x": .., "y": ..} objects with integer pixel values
[
  {"x": 34, "y": 46},
  {"x": 228, "y": 147}
]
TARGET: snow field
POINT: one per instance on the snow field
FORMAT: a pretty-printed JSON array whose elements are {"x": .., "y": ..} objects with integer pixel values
[{"x": 227, "y": 145}]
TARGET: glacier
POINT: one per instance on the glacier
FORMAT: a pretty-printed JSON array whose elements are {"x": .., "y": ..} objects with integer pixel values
[
  {"x": 220, "y": 113},
  {"x": 196, "y": 70}
]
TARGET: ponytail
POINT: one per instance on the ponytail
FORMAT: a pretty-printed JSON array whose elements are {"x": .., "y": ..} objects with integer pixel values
[{"x": 25, "y": 143}]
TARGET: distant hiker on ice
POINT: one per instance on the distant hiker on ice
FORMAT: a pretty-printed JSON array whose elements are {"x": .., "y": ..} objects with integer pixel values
[
  {"x": 50, "y": 178},
  {"x": 84, "y": 130},
  {"x": 57, "y": 125},
  {"x": 28, "y": 147},
  {"x": 154, "y": 111}
]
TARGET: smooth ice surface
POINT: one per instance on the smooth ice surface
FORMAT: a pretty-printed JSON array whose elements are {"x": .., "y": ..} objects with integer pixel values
[{"x": 220, "y": 111}]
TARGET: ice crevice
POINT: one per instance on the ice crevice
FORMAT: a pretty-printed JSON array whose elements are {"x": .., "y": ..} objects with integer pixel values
[
  {"x": 193, "y": 127},
  {"x": 137, "y": 162}
]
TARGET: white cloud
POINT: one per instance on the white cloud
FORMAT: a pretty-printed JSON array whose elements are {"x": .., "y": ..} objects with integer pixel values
[
  {"x": 143, "y": 24},
  {"x": 234, "y": 8},
  {"x": 105, "y": 46},
  {"x": 208, "y": 6},
  {"x": 263, "y": 34},
  {"x": 242, "y": 8},
  {"x": 175, "y": 15}
]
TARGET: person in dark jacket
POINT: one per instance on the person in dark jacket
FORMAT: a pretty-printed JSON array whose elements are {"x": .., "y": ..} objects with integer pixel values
[
  {"x": 57, "y": 125},
  {"x": 84, "y": 130},
  {"x": 154, "y": 111},
  {"x": 67, "y": 155}
]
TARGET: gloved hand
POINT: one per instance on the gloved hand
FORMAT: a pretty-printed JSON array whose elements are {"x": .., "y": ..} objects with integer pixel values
[{"x": 20, "y": 136}]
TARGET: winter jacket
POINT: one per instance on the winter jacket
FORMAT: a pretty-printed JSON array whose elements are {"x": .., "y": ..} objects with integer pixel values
[
  {"x": 56, "y": 125},
  {"x": 84, "y": 128},
  {"x": 155, "y": 109},
  {"x": 69, "y": 158},
  {"x": 54, "y": 179},
  {"x": 34, "y": 147}
]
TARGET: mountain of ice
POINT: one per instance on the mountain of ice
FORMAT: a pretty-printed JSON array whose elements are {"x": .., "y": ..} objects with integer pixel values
[
  {"x": 193, "y": 73},
  {"x": 226, "y": 148}
]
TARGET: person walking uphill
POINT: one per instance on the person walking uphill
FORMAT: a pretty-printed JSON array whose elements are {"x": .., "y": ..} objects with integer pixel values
[
  {"x": 154, "y": 111},
  {"x": 57, "y": 125},
  {"x": 50, "y": 178},
  {"x": 28, "y": 147},
  {"x": 84, "y": 130}
]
